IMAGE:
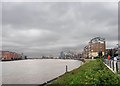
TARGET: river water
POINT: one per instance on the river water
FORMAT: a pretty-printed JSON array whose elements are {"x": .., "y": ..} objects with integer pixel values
[{"x": 35, "y": 71}]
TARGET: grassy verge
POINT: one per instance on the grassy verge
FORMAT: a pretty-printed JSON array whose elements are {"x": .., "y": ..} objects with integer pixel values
[{"x": 93, "y": 72}]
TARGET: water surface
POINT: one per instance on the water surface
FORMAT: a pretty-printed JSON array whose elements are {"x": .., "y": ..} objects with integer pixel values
[{"x": 35, "y": 71}]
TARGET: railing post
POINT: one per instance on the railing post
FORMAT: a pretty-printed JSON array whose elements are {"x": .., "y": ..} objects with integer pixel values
[
  {"x": 113, "y": 65},
  {"x": 110, "y": 63},
  {"x": 105, "y": 61}
]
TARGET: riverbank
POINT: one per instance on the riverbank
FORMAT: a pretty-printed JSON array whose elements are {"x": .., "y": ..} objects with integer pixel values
[{"x": 93, "y": 72}]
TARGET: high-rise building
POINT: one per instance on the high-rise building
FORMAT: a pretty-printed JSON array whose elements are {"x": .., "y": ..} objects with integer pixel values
[{"x": 62, "y": 55}]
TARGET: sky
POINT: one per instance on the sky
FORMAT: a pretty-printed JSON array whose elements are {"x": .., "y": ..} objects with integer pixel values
[{"x": 46, "y": 28}]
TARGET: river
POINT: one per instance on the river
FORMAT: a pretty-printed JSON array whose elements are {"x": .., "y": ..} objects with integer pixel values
[{"x": 35, "y": 71}]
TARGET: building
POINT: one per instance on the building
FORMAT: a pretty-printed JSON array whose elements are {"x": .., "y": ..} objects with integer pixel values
[
  {"x": 62, "y": 55},
  {"x": 70, "y": 55},
  {"x": 7, "y": 56},
  {"x": 94, "y": 46}
]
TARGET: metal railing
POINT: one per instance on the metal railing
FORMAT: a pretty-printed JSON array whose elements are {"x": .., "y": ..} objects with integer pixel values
[{"x": 113, "y": 64}]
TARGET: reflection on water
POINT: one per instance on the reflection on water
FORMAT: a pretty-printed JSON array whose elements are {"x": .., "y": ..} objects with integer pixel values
[{"x": 35, "y": 71}]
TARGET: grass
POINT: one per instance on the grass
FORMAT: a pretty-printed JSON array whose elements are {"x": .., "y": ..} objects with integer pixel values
[{"x": 93, "y": 72}]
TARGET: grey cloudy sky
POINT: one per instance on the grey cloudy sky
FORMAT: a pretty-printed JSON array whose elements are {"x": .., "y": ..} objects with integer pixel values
[{"x": 46, "y": 28}]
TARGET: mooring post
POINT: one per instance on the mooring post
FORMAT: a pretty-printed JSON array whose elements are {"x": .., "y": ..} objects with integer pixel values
[
  {"x": 113, "y": 65},
  {"x": 117, "y": 67},
  {"x": 66, "y": 69}
]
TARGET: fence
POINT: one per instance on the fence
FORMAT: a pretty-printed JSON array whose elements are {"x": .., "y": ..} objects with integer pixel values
[{"x": 113, "y": 64}]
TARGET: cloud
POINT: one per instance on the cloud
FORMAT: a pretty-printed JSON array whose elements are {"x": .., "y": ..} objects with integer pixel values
[{"x": 46, "y": 28}]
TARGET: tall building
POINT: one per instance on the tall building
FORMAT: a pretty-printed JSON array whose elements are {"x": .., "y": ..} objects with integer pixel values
[{"x": 62, "y": 55}]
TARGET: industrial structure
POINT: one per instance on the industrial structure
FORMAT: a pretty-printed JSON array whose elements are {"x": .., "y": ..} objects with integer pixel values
[{"x": 95, "y": 46}]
